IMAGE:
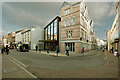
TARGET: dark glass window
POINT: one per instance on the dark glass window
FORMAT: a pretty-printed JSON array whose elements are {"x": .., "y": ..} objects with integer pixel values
[
  {"x": 52, "y": 31},
  {"x": 49, "y": 32},
  {"x": 46, "y": 34},
  {"x": 55, "y": 29}
]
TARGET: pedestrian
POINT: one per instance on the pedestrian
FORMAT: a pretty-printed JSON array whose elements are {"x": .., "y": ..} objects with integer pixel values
[
  {"x": 48, "y": 51},
  {"x": 3, "y": 49},
  {"x": 57, "y": 50},
  {"x": 103, "y": 49},
  {"x": 36, "y": 48},
  {"x": 83, "y": 50},
  {"x": 67, "y": 51},
  {"x": 112, "y": 50},
  {"x": 7, "y": 49}
]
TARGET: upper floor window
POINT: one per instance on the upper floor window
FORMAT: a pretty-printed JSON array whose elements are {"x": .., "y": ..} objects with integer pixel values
[
  {"x": 69, "y": 21},
  {"x": 65, "y": 23},
  {"x": 73, "y": 20},
  {"x": 69, "y": 34},
  {"x": 67, "y": 12}
]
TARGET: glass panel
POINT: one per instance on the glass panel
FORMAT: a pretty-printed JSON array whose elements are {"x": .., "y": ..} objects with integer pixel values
[
  {"x": 48, "y": 32},
  {"x": 73, "y": 47},
  {"x": 55, "y": 30},
  {"x": 52, "y": 31},
  {"x": 70, "y": 46},
  {"x": 73, "y": 20}
]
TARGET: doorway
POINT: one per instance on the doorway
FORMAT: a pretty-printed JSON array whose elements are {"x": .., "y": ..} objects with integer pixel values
[{"x": 71, "y": 46}]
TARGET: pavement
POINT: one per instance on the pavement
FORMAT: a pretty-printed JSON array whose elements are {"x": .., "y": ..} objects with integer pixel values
[
  {"x": 53, "y": 53},
  {"x": 111, "y": 57},
  {"x": 10, "y": 67}
]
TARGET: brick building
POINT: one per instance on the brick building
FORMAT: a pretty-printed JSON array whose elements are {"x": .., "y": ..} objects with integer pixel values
[
  {"x": 11, "y": 38},
  {"x": 76, "y": 28}
]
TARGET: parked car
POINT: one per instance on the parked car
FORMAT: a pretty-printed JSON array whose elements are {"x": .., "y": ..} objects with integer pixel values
[
  {"x": 11, "y": 47},
  {"x": 23, "y": 48}
]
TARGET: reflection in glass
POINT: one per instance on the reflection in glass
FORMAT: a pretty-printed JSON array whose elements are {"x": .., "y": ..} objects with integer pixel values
[
  {"x": 49, "y": 32},
  {"x": 55, "y": 30},
  {"x": 46, "y": 34},
  {"x": 52, "y": 31}
]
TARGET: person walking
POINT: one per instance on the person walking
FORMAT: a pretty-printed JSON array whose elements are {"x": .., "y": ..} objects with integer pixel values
[
  {"x": 103, "y": 49},
  {"x": 67, "y": 51},
  {"x": 36, "y": 48},
  {"x": 57, "y": 50},
  {"x": 3, "y": 49},
  {"x": 83, "y": 50},
  {"x": 7, "y": 49},
  {"x": 48, "y": 50}
]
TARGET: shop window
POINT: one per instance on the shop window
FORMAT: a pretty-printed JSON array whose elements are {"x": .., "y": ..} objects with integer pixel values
[{"x": 71, "y": 46}]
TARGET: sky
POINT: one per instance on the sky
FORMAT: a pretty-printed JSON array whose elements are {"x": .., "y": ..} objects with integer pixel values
[{"x": 19, "y": 15}]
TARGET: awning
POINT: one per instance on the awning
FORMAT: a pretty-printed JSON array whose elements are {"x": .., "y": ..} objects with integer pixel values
[{"x": 48, "y": 41}]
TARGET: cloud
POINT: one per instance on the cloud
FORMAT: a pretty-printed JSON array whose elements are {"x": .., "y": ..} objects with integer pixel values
[
  {"x": 99, "y": 23},
  {"x": 99, "y": 11},
  {"x": 30, "y": 13}
]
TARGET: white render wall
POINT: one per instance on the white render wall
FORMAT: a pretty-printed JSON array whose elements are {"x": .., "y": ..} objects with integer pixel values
[
  {"x": 5, "y": 41},
  {"x": 26, "y": 37},
  {"x": 18, "y": 37},
  {"x": 36, "y": 35}
]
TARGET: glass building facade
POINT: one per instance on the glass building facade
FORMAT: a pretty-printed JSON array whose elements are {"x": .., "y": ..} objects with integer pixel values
[{"x": 51, "y": 34}]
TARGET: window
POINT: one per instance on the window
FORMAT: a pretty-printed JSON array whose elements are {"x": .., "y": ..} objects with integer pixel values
[
  {"x": 69, "y": 34},
  {"x": 82, "y": 33},
  {"x": 73, "y": 20},
  {"x": 71, "y": 46},
  {"x": 55, "y": 30},
  {"x": 67, "y": 12},
  {"x": 65, "y": 23},
  {"x": 69, "y": 21},
  {"x": 48, "y": 32},
  {"x": 52, "y": 31}
]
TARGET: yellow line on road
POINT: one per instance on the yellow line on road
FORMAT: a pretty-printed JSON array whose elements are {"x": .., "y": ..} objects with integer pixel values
[
  {"x": 18, "y": 61},
  {"x": 33, "y": 76}
]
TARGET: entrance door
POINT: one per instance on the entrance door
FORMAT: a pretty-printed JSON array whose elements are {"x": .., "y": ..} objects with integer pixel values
[{"x": 71, "y": 46}]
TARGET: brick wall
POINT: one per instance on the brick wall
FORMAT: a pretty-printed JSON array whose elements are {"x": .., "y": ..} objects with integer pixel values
[{"x": 62, "y": 46}]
